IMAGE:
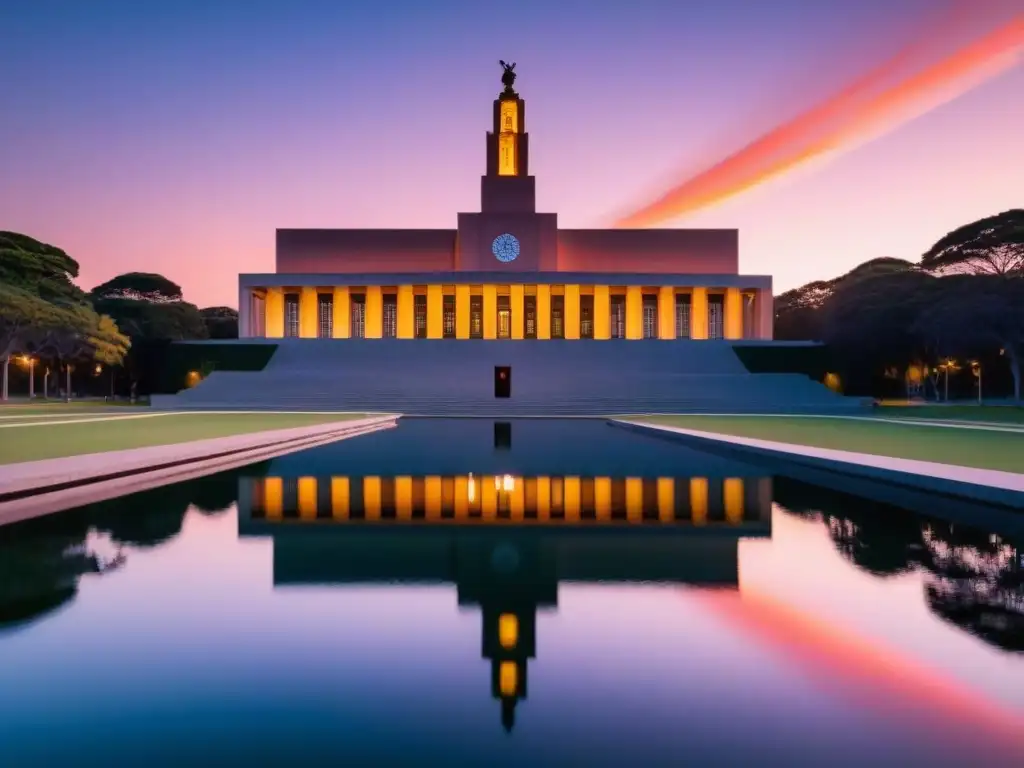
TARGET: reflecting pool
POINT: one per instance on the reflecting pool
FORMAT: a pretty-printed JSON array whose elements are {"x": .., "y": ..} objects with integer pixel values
[{"x": 521, "y": 593}]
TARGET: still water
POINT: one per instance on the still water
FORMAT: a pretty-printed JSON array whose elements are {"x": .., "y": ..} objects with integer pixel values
[{"x": 530, "y": 593}]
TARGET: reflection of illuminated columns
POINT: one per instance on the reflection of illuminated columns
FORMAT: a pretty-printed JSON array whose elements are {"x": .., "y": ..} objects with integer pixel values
[
  {"x": 634, "y": 499},
  {"x": 403, "y": 498},
  {"x": 544, "y": 498},
  {"x": 432, "y": 490},
  {"x": 371, "y": 498},
  {"x": 508, "y": 678},
  {"x": 463, "y": 496},
  {"x": 572, "y": 493},
  {"x": 666, "y": 499},
  {"x": 699, "y": 500},
  {"x": 307, "y": 498},
  {"x": 273, "y": 498},
  {"x": 603, "y": 498},
  {"x": 732, "y": 493},
  {"x": 508, "y": 631},
  {"x": 340, "y": 498}
]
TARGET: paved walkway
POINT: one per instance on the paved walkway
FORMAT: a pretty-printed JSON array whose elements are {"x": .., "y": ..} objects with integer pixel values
[{"x": 928, "y": 475}]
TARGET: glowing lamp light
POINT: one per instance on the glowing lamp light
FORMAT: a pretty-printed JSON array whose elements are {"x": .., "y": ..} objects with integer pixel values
[{"x": 508, "y": 631}]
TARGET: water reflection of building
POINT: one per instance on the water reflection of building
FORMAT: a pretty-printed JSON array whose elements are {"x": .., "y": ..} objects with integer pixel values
[{"x": 462, "y": 531}]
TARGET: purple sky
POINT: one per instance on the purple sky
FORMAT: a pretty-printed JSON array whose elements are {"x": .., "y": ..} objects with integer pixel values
[{"x": 174, "y": 137}]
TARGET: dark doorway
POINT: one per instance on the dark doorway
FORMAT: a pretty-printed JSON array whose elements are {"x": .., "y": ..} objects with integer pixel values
[
  {"x": 502, "y": 381},
  {"x": 502, "y": 436}
]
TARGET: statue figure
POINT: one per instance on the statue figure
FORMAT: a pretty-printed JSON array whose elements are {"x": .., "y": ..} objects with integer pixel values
[{"x": 508, "y": 77}]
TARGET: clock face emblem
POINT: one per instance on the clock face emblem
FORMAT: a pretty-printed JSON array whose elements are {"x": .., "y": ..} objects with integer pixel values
[{"x": 505, "y": 247}]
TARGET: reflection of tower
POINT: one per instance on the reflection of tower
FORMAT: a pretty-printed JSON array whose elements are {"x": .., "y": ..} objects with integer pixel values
[{"x": 510, "y": 639}]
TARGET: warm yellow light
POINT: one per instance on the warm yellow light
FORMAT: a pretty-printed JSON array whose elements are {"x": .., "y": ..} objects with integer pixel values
[
  {"x": 98, "y": 369},
  {"x": 191, "y": 378},
  {"x": 471, "y": 489},
  {"x": 508, "y": 678},
  {"x": 509, "y": 117},
  {"x": 508, "y": 483},
  {"x": 833, "y": 382},
  {"x": 507, "y": 154},
  {"x": 508, "y": 631}
]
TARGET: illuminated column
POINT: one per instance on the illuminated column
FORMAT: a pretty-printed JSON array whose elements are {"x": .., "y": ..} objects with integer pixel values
[
  {"x": 733, "y": 313},
  {"x": 403, "y": 497},
  {"x": 543, "y": 312},
  {"x": 764, "y": 305},
  {"x": 516, "y": 304},
  {"x": 342, "y": 313},
  {"x": 374, "y": 312},
  {"x": 273, "y": 497},
  {"x": 571, "y": 499},
  {"x": 461, "y": 311},
  {"x": 732, "y": 494},
  {"x": 634, "y": 312},
  {"x": 435, "y": 312},
  {"x": 666, "y": 499},
  {"x": 603, "y": 498},
  {"x": 572, "y": 311},
  {"x": 490, "y": 311},
  {"x": 275, "y": 313},
  {"x": 517, "y": 499},
  {"x": 307, "y": 313},
  {"x": 699, "y": 500},
  {"x": 432, "y": 492},
  {"x": 307, "y": 498},
  {"x": 340, "y": 496},
  {"x": 461, "y": 495},
  {"x": 488, "y": 490},
  {"x": 666, "y": 312},
  {"x": 602, "y": 312},
  {"x": 405, "y": 312},
  {"x": 634, "y": 499},
  {"x": 699, "y": 313},
  {"x": 371, "y": 498},
  {"x": 543, "y": 499}
]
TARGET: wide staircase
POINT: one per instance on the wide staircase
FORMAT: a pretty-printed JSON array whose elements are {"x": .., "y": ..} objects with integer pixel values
[{"x": 448, "y": 377}]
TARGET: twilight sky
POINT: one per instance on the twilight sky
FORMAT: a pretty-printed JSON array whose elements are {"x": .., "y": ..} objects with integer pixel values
[{"x": 174, "y": 136}]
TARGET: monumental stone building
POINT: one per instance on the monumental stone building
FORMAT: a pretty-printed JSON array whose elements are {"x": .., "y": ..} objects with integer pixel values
[{"x": 506, "y": 313}]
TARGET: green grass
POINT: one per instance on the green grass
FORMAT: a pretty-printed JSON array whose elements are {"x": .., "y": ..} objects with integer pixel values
[
  {"x": 979, "y": 448},
  {"x": 1006, "y": 414},
  {"x": 41, "y": 440}
]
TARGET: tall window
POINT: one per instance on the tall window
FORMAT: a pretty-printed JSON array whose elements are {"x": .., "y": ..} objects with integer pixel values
[
  {"x": 558, "y": 317},
  {"x": 504, "y": 318},
  {"x": 586, "y": 317},
  {"x": 716, "y": 316},
  {"x": 448, "y": 317},
  {"x": 476, "y": 317},
  {"x": 618, "y": 317},
  {"x": 389, "y": 328},
  {"x": 258, "y": 316},
  {"x": 530, "y": 317},
  {"x": 291, "y": 315},
  {"x": 650, "y": 313},
  {"x": 419, "y": 314},
  {"x": 749, "y": 318},
  {"x": 358, "y": 315},
  {"x": 324, "y": 315},
  {"x": 683, "y": 316}
]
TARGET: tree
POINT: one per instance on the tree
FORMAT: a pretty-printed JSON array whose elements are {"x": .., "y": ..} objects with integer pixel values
[
  {"x": 979, "y": 312},
  {"x": 81, "y": 333},
  {"x": 989, "y": 246},
  {"x": 23, "y": 319},
  {"x": 40, "y": 269},
  {"x": 139, "y": 286},
  {"x": 221, "y": 322}
]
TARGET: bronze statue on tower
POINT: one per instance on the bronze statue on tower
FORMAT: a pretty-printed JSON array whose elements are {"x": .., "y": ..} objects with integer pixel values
[{"x": 508, "y": 78}]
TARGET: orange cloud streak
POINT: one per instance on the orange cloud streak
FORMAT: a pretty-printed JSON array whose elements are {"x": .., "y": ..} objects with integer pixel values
[
  {"x": 755, "y": 164},
  {"x": 881, "y": 679}
]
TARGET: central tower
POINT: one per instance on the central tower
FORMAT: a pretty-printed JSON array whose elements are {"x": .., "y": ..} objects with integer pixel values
[{"x": 508, "y": 187}]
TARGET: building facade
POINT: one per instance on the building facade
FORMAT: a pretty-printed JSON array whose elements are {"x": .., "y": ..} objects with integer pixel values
[{"x": 507, "y": 272}]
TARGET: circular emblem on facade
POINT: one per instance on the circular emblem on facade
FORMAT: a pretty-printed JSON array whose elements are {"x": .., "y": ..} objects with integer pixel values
[{"x": 505, "y": 247}]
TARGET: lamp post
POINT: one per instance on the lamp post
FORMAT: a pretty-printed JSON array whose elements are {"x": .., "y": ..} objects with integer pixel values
[{"x": 976, "y": 370}]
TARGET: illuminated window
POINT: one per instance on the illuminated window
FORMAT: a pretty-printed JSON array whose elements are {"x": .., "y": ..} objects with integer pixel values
[
  {"x": 389, "y": 328},
  {"x": 558, "y": 317},
  {"x": 509, "y": 117},
  {"x": 504, "y": 318},
  {"x": 291, "y": 315},
  {"x": 448, "y": 317},
  {"x": 508, "y": 630},
  {"x": 716, "y": 316},
  {"x": 325, "y": 315},
  {"x": 419, "y": 312},
  {"x": 258, "y": 315},
  {"x": 586, "y": 317},
  {"x": 530, "y": 317},
  {"x": 507, "y": 154},
  {"x": 476, "y": 317},
  {"x": 618, "y": 317},
  {"x": 650, "y": 314},
  {"x": 508, "y": 678},
  {"x": 683, "y": 316},
  {"x": 358, "y": 315}
]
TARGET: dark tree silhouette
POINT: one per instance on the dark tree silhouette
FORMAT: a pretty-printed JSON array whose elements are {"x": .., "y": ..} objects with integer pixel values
[
  {"x": 989, "y": 246},
  {"x": 221, "y": 322}
]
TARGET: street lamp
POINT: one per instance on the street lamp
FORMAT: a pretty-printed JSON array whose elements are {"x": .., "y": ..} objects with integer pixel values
[
  {"x": 976, "y": 370},
  {"x": 31, "y": 363},
  {"x": 946, "y": 365}
]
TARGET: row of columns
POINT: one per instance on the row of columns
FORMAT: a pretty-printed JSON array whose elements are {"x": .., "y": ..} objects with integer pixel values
[
  {"x": 309, "y": 321},
  {"x": 478, "y": 497}
]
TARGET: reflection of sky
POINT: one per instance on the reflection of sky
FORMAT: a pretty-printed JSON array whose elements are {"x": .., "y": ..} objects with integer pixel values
[{"x": 190, "y": 648}]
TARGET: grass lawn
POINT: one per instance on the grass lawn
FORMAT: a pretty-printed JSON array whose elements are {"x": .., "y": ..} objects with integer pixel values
[
  {"x": 1007, "y": 414},
  {"x": 40, "y": 440},
  {"x": 984, "y": 449}
]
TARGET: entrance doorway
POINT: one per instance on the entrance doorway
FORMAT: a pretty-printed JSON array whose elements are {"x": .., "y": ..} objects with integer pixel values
[{"x": 502, "y": 381}]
